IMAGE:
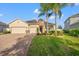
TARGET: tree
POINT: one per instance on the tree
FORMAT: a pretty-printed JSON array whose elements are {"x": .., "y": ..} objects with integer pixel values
[
  {"x": 56, "y": 9},
  {"x": 44, "y": 11}
]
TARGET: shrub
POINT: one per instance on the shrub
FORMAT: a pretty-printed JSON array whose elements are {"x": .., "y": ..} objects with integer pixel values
[
  {"x": 51, "y": 32},
  {"x": 66, "y": 31},
  {"x": 6, "y": 32},
  {"x": 42, "y": 33},
  {"x": 58, "y": 33},
  {"x": 73, "y": 32}
]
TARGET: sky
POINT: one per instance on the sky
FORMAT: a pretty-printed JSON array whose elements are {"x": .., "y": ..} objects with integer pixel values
[{"x": 29, "y": 11}]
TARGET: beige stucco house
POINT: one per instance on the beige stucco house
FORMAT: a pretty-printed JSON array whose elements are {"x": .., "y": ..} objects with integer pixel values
[{"x": 19, "y": 26}]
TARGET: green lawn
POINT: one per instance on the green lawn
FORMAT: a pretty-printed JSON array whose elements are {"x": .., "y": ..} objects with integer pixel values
[{"x": 51, "y": 46}]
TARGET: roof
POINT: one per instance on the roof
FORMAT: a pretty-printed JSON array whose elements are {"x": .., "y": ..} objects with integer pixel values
[
  {"x": 15, "y": 20},
  {"x": 2, "y": 24},
  {"x": 31, "y": 22},
  {"x": 73, "y": 16},
  {"x": 76, "y": 15}
]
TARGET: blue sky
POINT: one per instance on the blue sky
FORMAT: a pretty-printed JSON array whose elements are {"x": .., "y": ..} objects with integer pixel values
[{"x": 29, "y": 11}]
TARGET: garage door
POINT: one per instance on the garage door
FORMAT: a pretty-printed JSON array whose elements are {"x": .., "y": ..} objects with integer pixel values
[
  {"x": 33, "y": 30},
  {"x": 18, "y": 30}
]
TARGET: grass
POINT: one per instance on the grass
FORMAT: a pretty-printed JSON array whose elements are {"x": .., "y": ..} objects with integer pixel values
[{"x": 52, "y": 46}]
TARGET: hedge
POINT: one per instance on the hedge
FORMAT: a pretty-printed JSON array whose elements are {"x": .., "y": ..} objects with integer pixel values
[
  {"x": 72, "y": 32},
  {"x": 59, "y": 33}
]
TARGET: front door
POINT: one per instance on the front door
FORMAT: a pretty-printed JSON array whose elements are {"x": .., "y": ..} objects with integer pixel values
[{"x": 41, "y": 29}]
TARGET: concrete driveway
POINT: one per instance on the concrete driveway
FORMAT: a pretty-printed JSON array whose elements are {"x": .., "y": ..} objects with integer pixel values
[{"x": 15, "y": 44}]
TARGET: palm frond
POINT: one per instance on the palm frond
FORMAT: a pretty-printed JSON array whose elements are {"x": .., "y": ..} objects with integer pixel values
[{"x": 41, "y": 14}]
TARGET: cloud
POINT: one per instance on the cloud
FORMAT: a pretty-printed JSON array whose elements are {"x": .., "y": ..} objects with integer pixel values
[
  {"x": 1, "y": 15},
  {"x": 36, "y": 11},
  {"x": 52, "y": 17}
]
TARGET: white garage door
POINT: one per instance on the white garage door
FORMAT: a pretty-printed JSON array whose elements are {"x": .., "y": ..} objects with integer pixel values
[
  {"x": 33, "y": 30},
  {"x": 18, "y": 30}
]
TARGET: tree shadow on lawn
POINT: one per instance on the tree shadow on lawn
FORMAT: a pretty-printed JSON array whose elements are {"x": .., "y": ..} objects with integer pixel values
[{"x": 18, "y": 49}]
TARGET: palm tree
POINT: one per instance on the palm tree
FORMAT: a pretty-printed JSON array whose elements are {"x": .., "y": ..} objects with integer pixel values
[
  {"x": 44, "y": 10},
  {"x": 56, "y": 9}
]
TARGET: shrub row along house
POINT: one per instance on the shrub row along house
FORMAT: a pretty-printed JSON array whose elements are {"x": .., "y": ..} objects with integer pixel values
[
  {"x": 32, "y": 26},
  {"x": 72, "y": 22}
]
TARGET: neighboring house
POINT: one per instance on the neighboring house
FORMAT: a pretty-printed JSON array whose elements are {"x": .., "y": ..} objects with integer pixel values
[
  {"x": 72, "y": 22},
  {"x": 3, "y": 26},
  {"x": 31, "y": 26}
]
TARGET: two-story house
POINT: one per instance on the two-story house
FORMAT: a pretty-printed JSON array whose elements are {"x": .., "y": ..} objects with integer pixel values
[{"x": 72, "y": 22}]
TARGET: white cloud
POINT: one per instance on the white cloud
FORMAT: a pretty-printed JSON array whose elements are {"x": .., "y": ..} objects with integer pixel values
[
  {"x": 1, "y": 15},
  {"x": 36, "y": 11},
  {"x": 52, "y": 17}
]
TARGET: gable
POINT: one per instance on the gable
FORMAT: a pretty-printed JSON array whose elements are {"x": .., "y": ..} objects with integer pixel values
[{"x": 18, "y": 23}]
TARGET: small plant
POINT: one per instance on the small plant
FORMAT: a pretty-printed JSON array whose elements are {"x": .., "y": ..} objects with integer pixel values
[{"x": 6, "y": 32}]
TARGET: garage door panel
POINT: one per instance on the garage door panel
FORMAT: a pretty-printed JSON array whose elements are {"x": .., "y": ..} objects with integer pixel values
[
  {"x": 33, "y": 30},
  {"x": 18, "y": 30}
]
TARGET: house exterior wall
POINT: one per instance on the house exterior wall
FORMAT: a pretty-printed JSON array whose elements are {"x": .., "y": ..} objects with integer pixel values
[
  {"x": 74, "y": 26},
  {"x": 33, "y": 28},
  {"x": 18, "y": 30},
  {"x": 74, "y": 20},
  {"x": 41, "y": 23},
  {"x": 67, "y": 24},
  {"x": 18, "y": 27},
  {"x": 72, "y": 23},
  {"x": 52, "y": 28}
]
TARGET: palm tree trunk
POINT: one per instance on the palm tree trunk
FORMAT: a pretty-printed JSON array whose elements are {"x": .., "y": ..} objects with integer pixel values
[
  {"x": 55, "y": 26},
  {"x": 46, "y": 22}
]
